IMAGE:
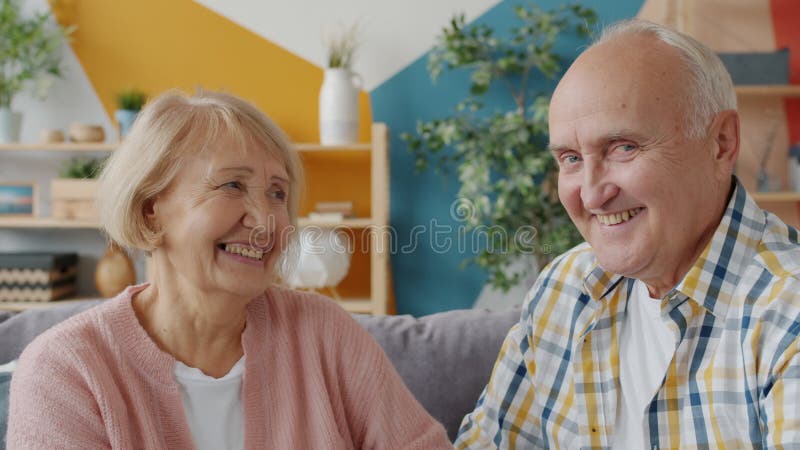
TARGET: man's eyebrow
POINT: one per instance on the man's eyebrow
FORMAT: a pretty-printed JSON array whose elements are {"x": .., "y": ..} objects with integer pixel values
[{"x": 556, "y": 149}]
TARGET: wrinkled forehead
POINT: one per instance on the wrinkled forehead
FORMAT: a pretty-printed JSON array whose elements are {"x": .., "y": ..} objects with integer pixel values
[{"x": 626, "y": 84}]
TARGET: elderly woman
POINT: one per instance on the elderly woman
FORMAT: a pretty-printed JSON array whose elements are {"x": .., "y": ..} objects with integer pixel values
[{"x": 210, "y": 353}]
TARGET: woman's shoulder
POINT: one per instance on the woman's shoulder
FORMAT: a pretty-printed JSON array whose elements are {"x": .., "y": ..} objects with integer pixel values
[
  {"x": 82, "y": 334},
  {"x": 292, "y": 301}
]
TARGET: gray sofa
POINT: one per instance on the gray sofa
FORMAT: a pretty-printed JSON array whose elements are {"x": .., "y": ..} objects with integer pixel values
[{"x": 445, "y": 359}]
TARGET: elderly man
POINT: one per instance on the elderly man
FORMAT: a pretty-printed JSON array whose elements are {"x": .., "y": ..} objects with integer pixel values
[{"x": 677, "y": 325}]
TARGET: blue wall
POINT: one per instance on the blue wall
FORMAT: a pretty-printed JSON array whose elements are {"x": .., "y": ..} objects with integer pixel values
[{"x": 427, "y": 280}]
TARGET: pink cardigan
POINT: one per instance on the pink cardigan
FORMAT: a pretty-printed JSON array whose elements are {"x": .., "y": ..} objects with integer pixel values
[{"x": 313, "y": 379}]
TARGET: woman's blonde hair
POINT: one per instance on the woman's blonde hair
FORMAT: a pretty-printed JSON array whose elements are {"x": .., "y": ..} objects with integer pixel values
[{"x": 168, "y": 129}]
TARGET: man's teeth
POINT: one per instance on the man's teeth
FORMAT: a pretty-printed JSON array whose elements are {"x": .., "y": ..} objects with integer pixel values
[
  {"x": 238, "y": 249},
  {"x": 613, "y": 219}
]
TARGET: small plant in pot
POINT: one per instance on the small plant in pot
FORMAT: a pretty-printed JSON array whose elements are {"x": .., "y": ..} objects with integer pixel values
[
  {"x": 129, "y": 103},
  {"x": 30, "y": 58},
  {"x": 73, "y": 194}
]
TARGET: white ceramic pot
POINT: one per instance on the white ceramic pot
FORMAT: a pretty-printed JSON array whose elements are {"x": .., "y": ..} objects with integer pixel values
[
  {"x": 10, "y": 124},
  {"x": 338, "y": 107}
]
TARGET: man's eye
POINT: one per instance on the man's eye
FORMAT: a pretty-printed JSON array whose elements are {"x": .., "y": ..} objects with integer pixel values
[
  {"x": 570, "y": 159},
  {"x": 626, "y": 148}
]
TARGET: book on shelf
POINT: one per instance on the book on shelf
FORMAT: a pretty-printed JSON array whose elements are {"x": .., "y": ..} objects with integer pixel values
[{"x": 346, "y": 208}]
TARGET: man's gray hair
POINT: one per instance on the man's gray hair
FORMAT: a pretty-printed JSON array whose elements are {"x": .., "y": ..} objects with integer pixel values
[{"x": 711, "y": 89}]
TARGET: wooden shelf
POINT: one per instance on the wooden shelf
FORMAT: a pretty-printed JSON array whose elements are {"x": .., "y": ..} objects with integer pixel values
[
  {"x": 358, "y": 222},
  {"x": 787, "y": 90},
  {"x": 776, "y": 197},
  {"x": 60, "y": 147},
  {"x": 49, "y": 222},
  {"x": 358, "y": 306},
  {"x": 45, "y": 222}
]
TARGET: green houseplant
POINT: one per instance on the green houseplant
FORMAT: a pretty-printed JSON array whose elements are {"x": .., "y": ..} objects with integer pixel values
[
  {"x": 507, "y": 175},
  {"x": 129, "y": 103},
  {"x": 30, "y": 56}
]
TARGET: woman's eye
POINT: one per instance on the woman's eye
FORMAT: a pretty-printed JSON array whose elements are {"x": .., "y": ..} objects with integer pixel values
[
  {"x": 278, "y": 194},
  {"x": 233, "y": 185}
]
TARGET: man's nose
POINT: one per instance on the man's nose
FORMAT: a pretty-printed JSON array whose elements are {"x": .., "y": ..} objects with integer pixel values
[{"x": 597, "y": 187}]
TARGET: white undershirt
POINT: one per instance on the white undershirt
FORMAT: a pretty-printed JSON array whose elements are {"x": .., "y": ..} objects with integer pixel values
[
  {"x": 646, "y": 346},
  {"x": 213, "y": 406}
]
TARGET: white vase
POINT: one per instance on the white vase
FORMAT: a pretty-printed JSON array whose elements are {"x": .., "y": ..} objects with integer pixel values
[
  {"x": 10, "y": 124},
  {"x": 338, "y": 107}
]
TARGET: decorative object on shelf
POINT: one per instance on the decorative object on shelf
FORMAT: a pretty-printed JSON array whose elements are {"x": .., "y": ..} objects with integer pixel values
[
  {"x": 19, "y": 199},
  {"x": 30, "y": 54},
  {"x": 507, "y": 174},
  {"x": 114, "y": 272},
  {"x": 758, "y": 68},
  {"x": 331, "y": 212},
  {"x": 73, "y": 195},
  {"x": 129, "y": 103},
  {"x": 86, "y": 133},
  {"x": 37, "y": 277},
  {"x": 794, "y": 166},
  {"x": 51, "y": 136},
  {"x": 323, "y": 260},
  {"x": 764, "y": 182},
  {"x": 338, "y": 97}
]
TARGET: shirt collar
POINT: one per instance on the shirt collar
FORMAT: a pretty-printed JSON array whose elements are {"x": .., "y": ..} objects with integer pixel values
[{"x": 713, "y": 277}]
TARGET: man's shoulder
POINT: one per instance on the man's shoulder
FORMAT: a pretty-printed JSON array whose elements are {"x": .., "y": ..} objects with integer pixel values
[
  {"x": 560, "y": 285},
  {"x": 778, "y": 251}
]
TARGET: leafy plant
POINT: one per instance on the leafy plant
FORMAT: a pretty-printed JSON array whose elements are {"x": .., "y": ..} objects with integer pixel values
[
  {"x": 507, "y": 175},
  {"x": 131, "y": 99},
  {"x": 342, "y": 46},
  {"x": 82, "y": 168},
  {"x": 30, "y": 51}
]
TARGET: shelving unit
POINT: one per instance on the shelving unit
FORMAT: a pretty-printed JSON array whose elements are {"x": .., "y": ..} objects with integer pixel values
[{"x": 376, "y": 180}]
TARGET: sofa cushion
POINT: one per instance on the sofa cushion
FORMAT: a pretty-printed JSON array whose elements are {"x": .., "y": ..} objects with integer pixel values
[
  {"x": 445, "y": 359},
  {"x": 19, "y": 330}
]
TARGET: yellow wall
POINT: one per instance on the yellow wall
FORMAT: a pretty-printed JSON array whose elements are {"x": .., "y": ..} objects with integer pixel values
[{"x": 157, "y": 45}]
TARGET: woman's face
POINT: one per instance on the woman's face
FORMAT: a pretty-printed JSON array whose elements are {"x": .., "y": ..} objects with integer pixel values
[{"x": 225, "y": 219}]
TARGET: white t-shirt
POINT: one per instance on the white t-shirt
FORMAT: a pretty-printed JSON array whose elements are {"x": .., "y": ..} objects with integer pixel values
[
  {"x": 646, "y": 346},
  {"x": 213, "y": 406}
]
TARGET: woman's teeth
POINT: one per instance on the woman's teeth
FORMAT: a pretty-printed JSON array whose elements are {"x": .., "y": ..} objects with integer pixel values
[
  {"x": 242, "y": 250},
  {"x": 614, "y": 219}
]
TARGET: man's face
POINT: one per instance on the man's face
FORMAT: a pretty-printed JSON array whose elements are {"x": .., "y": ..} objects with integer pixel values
[{"x": 646, "y": 197}]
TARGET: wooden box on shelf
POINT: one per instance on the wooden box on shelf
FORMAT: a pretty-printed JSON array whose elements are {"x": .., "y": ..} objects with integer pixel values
[{"x": 73, "y": 198}]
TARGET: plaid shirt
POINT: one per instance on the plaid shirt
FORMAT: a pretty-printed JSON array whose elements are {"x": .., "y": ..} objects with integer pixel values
[{"x": 733, "y": 382}]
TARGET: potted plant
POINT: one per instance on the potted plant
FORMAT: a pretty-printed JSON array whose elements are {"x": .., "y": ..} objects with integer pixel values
[
  {"x": 338, "y": 97},
  {"x": 30, "y": 55},
  {"x": 507, "y": 175},
  {"x": 73, "y": 194},
  {"x": 129, "y": 103}
]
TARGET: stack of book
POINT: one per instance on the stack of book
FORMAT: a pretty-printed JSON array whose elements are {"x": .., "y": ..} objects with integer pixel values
[{"x": 331, "y": 211}]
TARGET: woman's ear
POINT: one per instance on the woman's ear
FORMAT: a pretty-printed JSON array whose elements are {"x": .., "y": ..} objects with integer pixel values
[{"x": 149, "y": 213}]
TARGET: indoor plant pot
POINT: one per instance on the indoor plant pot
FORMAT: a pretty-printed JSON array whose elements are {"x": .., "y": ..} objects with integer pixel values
[{"x": 10, "y": 124}]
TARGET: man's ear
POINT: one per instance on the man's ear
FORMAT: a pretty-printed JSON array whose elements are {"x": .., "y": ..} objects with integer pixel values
[{"x": 726, "y": 141}]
